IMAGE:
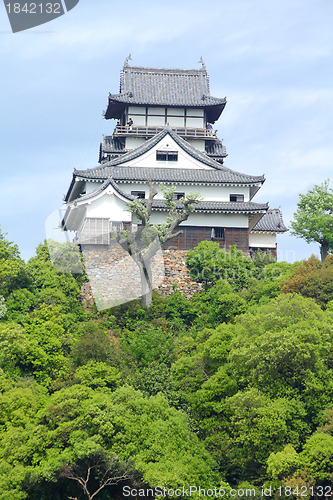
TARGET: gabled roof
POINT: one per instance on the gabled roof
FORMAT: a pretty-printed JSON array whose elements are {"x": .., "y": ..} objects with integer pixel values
[
  {"x": 271, "y": 222},
  {"x": 216, "y": 175},
  {"x": 164, "y": 87}
]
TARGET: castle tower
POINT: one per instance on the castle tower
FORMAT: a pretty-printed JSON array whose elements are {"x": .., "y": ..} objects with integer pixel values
[
  {"x": 165, "y": 135},
  {"x": 153, "y": 98}
]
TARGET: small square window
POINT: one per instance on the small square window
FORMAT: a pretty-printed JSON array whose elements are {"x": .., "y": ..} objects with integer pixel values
[
  {"x": 139, "y": 194},
  {"x": 167, "y": 155},
  {"x": 178, "y": 196},
  {"x": 237, "y": 197}
]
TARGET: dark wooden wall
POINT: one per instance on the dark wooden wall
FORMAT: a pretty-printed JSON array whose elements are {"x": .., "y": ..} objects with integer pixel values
[
  {"x": 237, "y": 236},
  {"x": 192, "y": 235}
]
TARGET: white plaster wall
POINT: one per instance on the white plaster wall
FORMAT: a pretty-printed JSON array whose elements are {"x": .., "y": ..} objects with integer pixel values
[
  {"x": 205, "y": 219},
  {"x": 138, "y": 121},
  {"x": 148, "y": 159},
  {"x": 176, "y": 111},
  {"x": 134, "y": 142},
  {"x": 195, "y": 112},
  {"x": 156, "y": 111},
  {"x": 209, "y": 193},
  {"x": 176, "y": 121},
  {"x": 197, "y": 143},
  {"x": 262, "y": 240},
  {"x": 92, "y": 186},
  {"x": 139, "y": 110},
  {"x": 156, "y": 121},
  {"x": 108, "y": 206},
  {"x": 194, "y": 122}
]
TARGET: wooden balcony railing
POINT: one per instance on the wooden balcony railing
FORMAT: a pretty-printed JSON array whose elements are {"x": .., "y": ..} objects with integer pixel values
[{"x": 195, "y": 133}]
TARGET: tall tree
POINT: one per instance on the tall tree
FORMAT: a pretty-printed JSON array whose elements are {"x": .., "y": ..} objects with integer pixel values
[
  {"x": 143, "y": 244},
  {"x": 313, "y": 219}
]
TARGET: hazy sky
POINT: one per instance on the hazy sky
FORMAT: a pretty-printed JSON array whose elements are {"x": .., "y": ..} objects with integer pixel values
[{"x": 272, "y": 60}]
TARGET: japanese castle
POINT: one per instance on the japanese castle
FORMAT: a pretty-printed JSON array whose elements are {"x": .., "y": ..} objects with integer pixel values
[{"x": 165, "y": 136}]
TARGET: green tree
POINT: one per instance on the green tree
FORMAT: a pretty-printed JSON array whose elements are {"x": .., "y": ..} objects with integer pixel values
[
  {"x": 283, "y": 462},
  {"x": 268, "y": 284},
  {"x": 19, "y": 303},
  {"x": 148, "y": 343},
  {"x": 13, "y": 270},
  {"x": 255, "y": 426},
  {"x": 3, "y": 307},
  {"x": 313, "y": 220},
  {"x": 312, "y": 278},
  {"x": 77, "y": 424},
  {"x": 52, "y": 287},
  {"x": 208, "y": 263},
  {"x": 286, "y": 350}
]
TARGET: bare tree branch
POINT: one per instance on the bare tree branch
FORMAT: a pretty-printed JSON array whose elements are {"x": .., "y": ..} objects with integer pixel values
[{"x": 107, "y": 479}]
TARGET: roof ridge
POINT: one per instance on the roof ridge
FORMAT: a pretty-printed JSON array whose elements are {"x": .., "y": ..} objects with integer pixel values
[{"x": 197, "y": 71}]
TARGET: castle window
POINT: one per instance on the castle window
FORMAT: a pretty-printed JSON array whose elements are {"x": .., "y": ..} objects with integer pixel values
[
  {"x": 236, "y": 197},
  {"x": 139, "y": 194},
  {"x": 178, "y": 196},
  {"x": 217, "y": 233},
  {"x": 167, "y": 155}
]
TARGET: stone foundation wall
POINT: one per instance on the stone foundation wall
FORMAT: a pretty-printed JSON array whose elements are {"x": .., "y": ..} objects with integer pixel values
[
  {"x": 176, "y": 275},
  {"x": 114, "y": 277}
]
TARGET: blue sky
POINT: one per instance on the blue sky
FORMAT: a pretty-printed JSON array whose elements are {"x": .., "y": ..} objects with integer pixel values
[{"x": 272, "y": 60}]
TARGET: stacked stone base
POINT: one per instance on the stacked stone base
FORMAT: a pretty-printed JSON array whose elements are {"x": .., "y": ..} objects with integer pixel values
[
  {"x": 177, "y": 276},
  {"x": 113, "y": 275}
]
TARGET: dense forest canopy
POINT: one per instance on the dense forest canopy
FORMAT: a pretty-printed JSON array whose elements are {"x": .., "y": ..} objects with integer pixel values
[{"x": 231, "y": 389}]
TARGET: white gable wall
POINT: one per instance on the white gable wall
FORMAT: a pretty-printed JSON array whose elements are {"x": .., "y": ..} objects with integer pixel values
[
  {"x": 262, "y": 240},
  {"x": 108, "y": 206},
  {"x": 185, "y": 161}
]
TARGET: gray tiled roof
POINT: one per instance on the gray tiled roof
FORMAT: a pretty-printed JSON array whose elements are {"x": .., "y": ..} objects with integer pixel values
[
  {"x": 167, "y": 175},
  {"x": 164, "y": 87},
  {"x": 160, "y": 86},
  {"x": 110, "y": 146},
  {"x": 202, "y": 206},
  {"x": 220, "y": 206},
  {"x": 271, "y": 222},
  {"x": 216, "y": 149},
  {"x": 220, "y": 173}
]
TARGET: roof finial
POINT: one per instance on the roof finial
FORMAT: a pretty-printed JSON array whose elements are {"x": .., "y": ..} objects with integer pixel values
[
  {"x": 129, "y": 58},
  {"x": 203, "y": 64}
]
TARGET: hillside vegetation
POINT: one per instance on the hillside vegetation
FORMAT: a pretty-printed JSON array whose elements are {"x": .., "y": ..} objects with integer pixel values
[{"x": 231, "y": 389}]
